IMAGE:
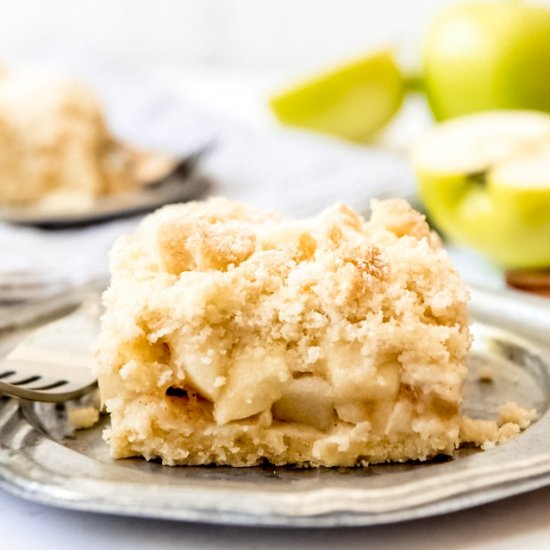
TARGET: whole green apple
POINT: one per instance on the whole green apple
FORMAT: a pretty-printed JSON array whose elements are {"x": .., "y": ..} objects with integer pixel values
[
  {"x": 483, "y": 56},
  {"x": 485, "y": 181}
]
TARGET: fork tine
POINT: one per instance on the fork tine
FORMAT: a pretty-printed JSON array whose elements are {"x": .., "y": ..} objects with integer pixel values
[
  {"x": 50, "y": 385},
  {"x": 42, "y": 381},
  {"x": 25, "y": 381},
  {"x": 35, "y": 382},
  {"x": 55, "y": 395},
  {"x": 45, "y": 384}
]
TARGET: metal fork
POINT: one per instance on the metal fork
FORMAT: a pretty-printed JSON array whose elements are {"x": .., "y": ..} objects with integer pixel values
[
  {"x": 27, "y": 380},
  {"x": 53, "y": 363}
]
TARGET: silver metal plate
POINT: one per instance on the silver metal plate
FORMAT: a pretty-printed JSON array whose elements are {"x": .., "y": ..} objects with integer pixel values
[
  {"x": 175, "y": 188},
  {"x": 40, "y": 459}
]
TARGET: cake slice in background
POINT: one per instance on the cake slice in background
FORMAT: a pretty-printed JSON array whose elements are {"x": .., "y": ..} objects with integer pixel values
[{"x": 54, "y": 143}]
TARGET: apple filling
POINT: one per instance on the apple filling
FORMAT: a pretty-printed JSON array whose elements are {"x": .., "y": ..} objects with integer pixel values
[{"x": 232, "y": 336}]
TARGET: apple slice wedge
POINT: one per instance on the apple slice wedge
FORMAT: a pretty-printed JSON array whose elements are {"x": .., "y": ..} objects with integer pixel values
[
  {"x": 485, "y": 181},
  {"x": 353, "y": 101}
]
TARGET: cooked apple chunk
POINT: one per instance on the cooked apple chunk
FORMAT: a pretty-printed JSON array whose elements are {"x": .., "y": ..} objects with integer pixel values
[{"x": 307, "y": 400}]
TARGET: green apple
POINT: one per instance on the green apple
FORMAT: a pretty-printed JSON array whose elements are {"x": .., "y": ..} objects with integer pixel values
[
  {"x": 484, "y": 56},
  {"x": 485, "y": 181},
  {"x": 353, "y": 101}
]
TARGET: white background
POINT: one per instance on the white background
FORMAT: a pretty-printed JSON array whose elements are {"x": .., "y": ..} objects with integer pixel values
[{"x": 256, "y": 34}]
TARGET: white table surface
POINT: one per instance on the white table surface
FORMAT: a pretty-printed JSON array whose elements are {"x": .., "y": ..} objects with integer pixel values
[{"x": 515, "y": 523}]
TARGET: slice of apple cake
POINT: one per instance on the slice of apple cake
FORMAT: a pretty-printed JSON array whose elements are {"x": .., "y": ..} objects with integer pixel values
[
  {"x": 233, "y": 336},
  {"x": 55, "y": 148}
]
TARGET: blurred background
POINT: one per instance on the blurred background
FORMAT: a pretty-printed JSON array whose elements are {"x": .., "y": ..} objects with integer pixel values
[
  {"x": 226, "y": 55},
  {"x": 274, "y": 35},
  {"x": 196, "y": 77}
]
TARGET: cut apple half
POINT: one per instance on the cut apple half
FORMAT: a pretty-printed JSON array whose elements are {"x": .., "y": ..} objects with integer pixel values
[
  {"x": 485, "y": 181},
  {"x": 477, "y": 143}
]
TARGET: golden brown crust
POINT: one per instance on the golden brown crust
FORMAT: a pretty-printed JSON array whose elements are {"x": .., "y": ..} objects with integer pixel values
[
  {"x": 397, "y": 216},
  {"x": 203, "y": 243}
]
